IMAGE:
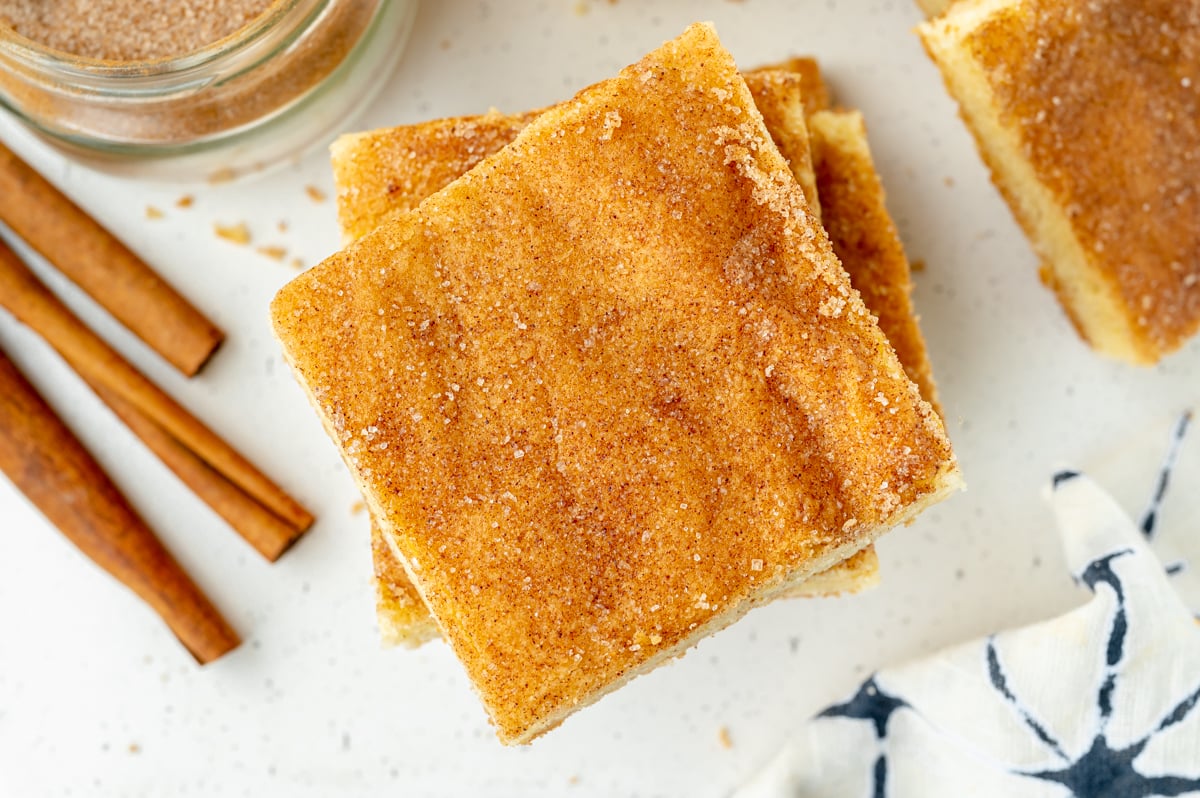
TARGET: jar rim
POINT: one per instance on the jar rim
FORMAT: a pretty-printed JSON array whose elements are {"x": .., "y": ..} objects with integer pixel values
[
  {"x": 88, "y": 71},
  {"x": 296, "y": 85}
]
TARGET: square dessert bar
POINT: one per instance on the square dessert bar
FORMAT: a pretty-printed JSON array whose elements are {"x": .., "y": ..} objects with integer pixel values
[
  {"x": 1088, "y": 114},
  {"x": 611, "y": 388},
  {"x": 382, "y": 172}
]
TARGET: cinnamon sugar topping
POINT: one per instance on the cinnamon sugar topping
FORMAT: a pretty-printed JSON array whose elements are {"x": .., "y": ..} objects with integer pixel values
[
  {"x": 1103, "y": 96},
  {"x": 657, "y": 460}
]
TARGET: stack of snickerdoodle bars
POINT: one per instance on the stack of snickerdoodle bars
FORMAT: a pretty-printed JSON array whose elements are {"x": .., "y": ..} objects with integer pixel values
[{"x": 602, "y": 377}]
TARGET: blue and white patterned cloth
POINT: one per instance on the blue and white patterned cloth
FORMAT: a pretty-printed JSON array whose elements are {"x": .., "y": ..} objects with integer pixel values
[{"x": 1101, "y": 701}]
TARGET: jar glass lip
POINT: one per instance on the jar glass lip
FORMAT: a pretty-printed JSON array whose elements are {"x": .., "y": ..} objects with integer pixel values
[{"x": 86, "y": 70}]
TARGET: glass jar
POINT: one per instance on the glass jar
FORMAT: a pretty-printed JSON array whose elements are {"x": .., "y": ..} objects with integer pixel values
[{"x": 284, "y": 82}]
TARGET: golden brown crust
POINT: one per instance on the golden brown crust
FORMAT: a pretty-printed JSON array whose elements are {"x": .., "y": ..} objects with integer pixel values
[
  {"x": 386, "y": 171},
  {"x": 1098, "y": 102},
  {"x": 382, "y": 172},
  {"x": 611, "y": 388},
  {"x": 865, "y": 238},
  {"x": 815, "y": 91},
  {"x": 779, "y": 97}
]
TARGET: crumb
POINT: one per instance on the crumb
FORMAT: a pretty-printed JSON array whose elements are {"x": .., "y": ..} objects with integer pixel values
[
  {"x": 723, "y": 738},
  {"x": 281, "y": 226},
  {"x": 186, "y": 201},
  {"x": 949, "y": 181},
  {"x": 315, "y": 194},
  {"x": 134, "y": 748},
  {"x": 153, "y": 213},
  {"x": 573, "y": 780},
  {"x": 917, "y": 266},
  {"x": 275, "y": 253},
  {"x": 222, "y": 175},
  {"x": 237, "y": 233},
  {"x": 444, "y": 44},
  {"x": 358, "y": 507},
  {"x": 581, "y": 8},
  {"x": 297, "y": 264}
]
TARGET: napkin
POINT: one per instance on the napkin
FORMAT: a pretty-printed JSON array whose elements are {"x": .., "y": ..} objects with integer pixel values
[{"x": 1101, "y": 701}]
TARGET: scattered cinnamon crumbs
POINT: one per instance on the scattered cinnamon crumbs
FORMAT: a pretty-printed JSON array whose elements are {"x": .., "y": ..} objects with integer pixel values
[
  {"x": 236, "y": 233},
  {"x": 358, "y": 508},
  {"x": 222, "y": 175},
  {"x": 186, "y": 201},
  {"x": 273, "y": 252},
  {"x": 153, "y": 213},
  {"x": 724, "y": 739},
  {"x": 315, "y": 194}
]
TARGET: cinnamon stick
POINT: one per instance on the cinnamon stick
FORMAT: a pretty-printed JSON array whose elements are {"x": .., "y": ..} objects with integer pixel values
[
  {"x": 270, "y": 535},
  {"x": 27, "y": 298},
  {"x": 58, "y": 475},
  {"x": 105, "y": 268}
]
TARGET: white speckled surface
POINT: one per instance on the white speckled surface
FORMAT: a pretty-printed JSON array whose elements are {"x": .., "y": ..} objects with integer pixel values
[{"x": 97, "y": 699}]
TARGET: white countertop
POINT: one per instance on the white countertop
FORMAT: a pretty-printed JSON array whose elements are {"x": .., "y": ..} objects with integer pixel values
[{"x": 96, "y": 698}]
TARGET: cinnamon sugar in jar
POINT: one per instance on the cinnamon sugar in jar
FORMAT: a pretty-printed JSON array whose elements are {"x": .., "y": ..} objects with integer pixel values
[{"x": 194, "y": 88}]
